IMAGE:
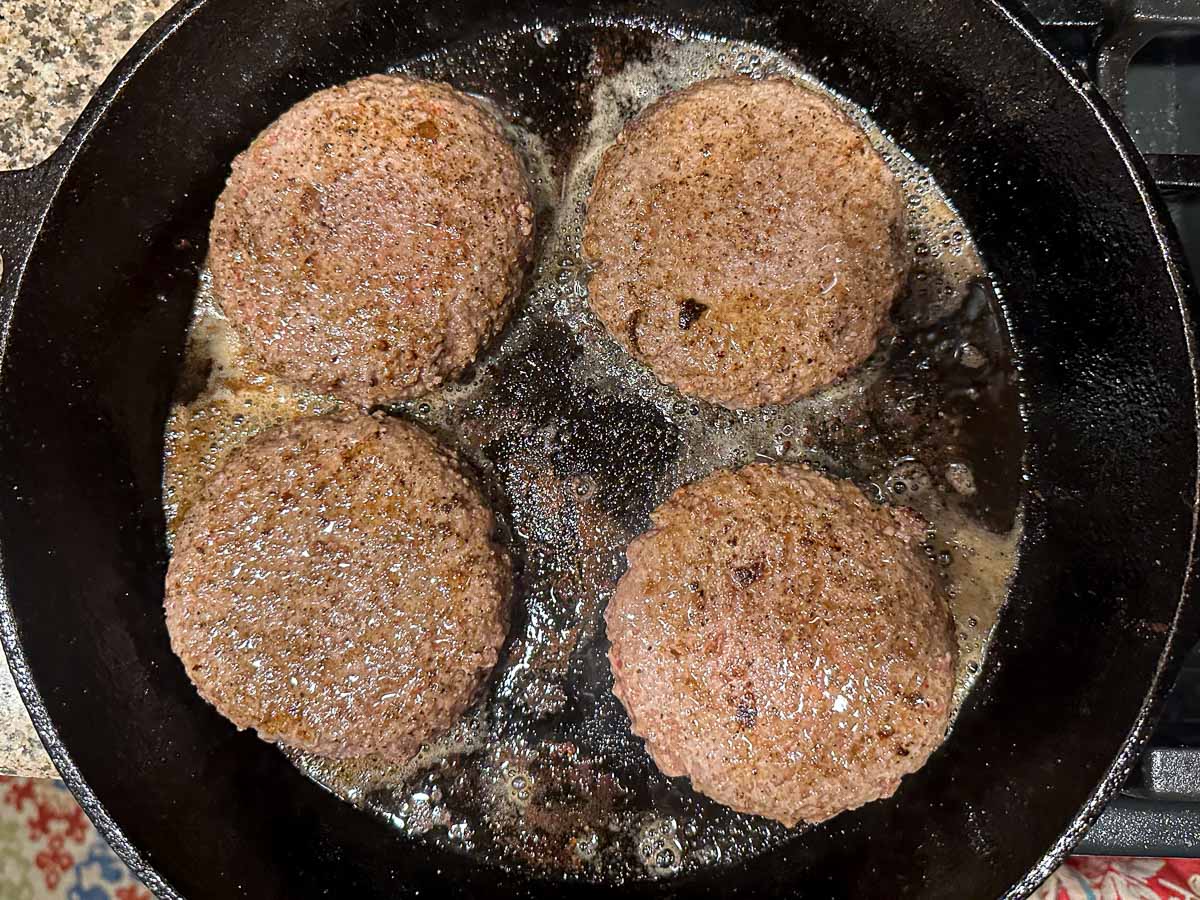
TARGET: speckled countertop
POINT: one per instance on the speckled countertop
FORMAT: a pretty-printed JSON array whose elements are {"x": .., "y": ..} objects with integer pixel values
[{"x": 53, "y": 56}]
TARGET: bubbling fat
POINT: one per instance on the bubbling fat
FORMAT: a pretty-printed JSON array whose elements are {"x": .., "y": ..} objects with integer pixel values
[{"x": 576, "y": 444}]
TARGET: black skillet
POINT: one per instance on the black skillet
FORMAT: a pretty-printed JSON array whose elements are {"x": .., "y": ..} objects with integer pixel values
[{"x": 101, "y": 247}]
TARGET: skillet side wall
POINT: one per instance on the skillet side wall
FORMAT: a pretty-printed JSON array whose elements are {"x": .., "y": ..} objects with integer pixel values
[{"x": 96, "y": 338}]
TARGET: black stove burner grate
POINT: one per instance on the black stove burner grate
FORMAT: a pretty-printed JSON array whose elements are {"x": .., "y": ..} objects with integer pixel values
[
  {"x": 1144, "y": 56},
  {"x": 1116, "y": 38}
]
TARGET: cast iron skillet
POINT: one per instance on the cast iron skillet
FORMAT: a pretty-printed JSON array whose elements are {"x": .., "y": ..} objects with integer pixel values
[{"x": 102, "y": 245}]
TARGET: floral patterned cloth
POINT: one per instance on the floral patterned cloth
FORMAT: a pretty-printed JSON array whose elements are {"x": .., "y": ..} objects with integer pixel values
[
  {"x": 1122, "y": 878},
  {"x": 50, "y": 851}
]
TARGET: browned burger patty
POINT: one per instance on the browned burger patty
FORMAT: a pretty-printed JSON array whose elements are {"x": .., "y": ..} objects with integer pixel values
[
  {"x": 747, "y": 241},
  {"x": 336, "y": 587},
  {"x": 782, "y": 642},
  {"x": 369, "y": 242}
]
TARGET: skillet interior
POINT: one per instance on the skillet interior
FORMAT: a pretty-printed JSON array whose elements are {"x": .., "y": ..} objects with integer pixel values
[{"x": 1094, "y": 308}]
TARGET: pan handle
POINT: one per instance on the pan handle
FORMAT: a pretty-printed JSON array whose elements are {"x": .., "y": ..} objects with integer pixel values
[{"x": 23, "y": 196}]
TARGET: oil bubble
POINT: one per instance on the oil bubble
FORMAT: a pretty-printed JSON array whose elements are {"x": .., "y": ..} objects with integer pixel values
[{"x": 960, "y": 477}]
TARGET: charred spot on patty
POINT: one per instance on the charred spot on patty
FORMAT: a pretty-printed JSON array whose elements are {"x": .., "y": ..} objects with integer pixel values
[
  {"x": 690, "y": 311},
  {"x": 744, "y": 576},
  {"x": 746, "y": 711}
]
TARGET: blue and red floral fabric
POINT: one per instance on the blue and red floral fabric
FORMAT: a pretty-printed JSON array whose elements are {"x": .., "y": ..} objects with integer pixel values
[{"x": 50, "y": 851}]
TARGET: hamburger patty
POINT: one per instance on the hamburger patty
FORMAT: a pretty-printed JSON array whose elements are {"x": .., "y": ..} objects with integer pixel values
[
  {"x": 782, "y": 642},
  {"x": 337, "y": 588},
  {"x": 746, "y": 240},
  {"x": 371, "y": 240}
]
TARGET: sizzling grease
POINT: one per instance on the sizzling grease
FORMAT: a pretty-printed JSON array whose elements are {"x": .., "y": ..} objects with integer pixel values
[{"x": 577, "y": 444}]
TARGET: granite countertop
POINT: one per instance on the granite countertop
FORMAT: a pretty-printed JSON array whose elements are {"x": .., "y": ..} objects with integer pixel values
[{"x": 53, "y": 56}]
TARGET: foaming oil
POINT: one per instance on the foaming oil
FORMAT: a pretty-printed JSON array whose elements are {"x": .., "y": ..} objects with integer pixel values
[{"x": 576, "y": 443}]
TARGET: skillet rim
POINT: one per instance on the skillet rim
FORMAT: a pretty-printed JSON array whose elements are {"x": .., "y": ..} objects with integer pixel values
[
  {"x": 47, "y": 177},
  {"x": 1171, "y": 250}
]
